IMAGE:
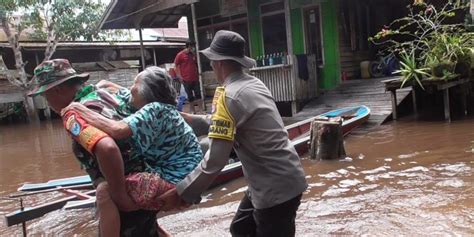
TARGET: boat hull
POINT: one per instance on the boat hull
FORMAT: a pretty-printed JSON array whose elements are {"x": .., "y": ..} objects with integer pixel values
[{"x": 298, "y": 134}]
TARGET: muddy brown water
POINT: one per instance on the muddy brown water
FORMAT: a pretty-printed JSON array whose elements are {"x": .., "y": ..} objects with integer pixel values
[{"x": 404, "y": 178}]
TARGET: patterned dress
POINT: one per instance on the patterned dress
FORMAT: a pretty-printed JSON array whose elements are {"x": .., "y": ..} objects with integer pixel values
[
  {"x": 112, "y": 104},
  {"x": 166, "y": 141},
  {"x": 162, "y": 150}
]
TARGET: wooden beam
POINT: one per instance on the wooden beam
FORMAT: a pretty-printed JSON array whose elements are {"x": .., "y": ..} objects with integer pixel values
[
  {"x": 393, "y": 93},
  {"x": 201, "y": 85},
  {"x": 415, "y": 106},
  {"x": 28, "y": 214},
  {"x": 11, "y": 97},
  {"x": 158, "y": 7},
  {"x": 447, "y": 113},
  {"x": 141, "y": 48}
]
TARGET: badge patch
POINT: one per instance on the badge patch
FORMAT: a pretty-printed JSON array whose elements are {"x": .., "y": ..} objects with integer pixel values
[
  {"x": 73, "y": 126},
  {"x": 222, "y": 122},
  {"x": 82, "y": 132},
  {"x": 76, "y": 129}
]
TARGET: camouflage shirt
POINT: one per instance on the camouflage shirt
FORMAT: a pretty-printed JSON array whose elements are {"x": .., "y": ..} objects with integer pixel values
[{"x": 112, "y": 104}]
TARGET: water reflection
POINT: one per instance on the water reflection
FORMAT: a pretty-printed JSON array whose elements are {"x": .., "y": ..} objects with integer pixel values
[{"x": 405, "y": 178}]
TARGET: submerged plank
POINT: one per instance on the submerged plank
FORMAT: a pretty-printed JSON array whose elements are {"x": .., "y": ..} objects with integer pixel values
[{"x": 27, "y": 214}]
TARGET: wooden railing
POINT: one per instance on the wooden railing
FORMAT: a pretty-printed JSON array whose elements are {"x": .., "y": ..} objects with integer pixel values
[
  {"x": 278, "y": 79},
  {"x": 283, "y": 81}
]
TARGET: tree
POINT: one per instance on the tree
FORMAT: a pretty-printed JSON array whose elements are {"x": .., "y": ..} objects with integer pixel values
[{"x": 51, "y": 21}]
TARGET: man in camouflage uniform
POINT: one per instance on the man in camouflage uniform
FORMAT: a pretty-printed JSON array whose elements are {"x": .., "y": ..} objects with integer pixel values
[{"x": 97, "y": 152}]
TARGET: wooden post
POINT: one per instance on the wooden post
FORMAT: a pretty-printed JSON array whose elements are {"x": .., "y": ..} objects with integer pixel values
[
  {"x": 464, "y": 99},
  {"x": 326, "y": 141},
  {"x": 413, "y": 95},
  {"x": 447, "y": 114},
  {"x": 198, "y": 48},
  {"x": 30, "y": 109},
  {"x": 393, "y": 93},
  {"x": 142, "y": 50}
]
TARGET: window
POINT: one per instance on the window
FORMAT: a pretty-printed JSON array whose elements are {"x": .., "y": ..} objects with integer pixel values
[
  {"x": 313, "y": 37},
  {"x": 274, "y": 28},
  {"x": 207, "y": 31}
]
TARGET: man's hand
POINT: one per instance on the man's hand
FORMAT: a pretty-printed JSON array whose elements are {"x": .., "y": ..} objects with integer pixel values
[
  {"x": 187, "y": 117},
  {"x": 172, "y": 201}
]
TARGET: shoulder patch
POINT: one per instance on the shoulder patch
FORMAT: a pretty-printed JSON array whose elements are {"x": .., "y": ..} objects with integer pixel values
[
  {"x": 73, "y": 126},
  {"x": 222, "y": 122}
]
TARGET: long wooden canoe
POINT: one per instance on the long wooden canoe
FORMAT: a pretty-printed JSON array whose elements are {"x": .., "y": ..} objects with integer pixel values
[{"x": 298, "y": 134}]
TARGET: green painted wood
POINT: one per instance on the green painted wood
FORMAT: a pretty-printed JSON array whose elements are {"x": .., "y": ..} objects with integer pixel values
[
  {"x": 297, "y": 30},
  {"x": 255, "y": 29},
  {"x": 331, "y": 72}
]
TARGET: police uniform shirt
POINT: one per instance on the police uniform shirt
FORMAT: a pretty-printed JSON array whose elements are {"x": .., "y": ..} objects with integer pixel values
[{"x": 245, "y": 116}]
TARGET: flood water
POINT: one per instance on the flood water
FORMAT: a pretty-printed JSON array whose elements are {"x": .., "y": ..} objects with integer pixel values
[{"x": 404, "y": 178}]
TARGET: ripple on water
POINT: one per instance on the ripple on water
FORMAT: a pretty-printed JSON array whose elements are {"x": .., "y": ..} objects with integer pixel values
[
  {"x": 211, "y": 221},
  {"x": 457, "y": 168},
  {"x": 330, "y": 175},
  {"x": 312, "y": 185},
  {"x": 454, "y": 183},
  {"x": 342, "y": 171},
  {"x": 405, "y": 156},
  {"x": 334, "y": 191},
  {"x": 376, "y": 170},
  {"x": 349, "y": 183},
  {"x": 367, "y": 187}
]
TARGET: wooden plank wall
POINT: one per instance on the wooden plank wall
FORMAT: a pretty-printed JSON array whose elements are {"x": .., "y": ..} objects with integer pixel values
[{"x": 353, "y": 36}]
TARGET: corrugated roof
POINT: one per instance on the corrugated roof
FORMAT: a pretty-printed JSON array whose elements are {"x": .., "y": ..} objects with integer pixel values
[
  {"x": 79, "y": 44},
  {"x": 124, "y": 14}
]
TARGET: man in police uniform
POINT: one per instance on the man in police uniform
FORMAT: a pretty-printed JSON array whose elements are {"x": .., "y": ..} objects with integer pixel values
[{"x": 245, "y": 117}]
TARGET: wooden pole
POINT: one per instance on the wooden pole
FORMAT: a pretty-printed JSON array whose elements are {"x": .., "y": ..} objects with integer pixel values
[
  {"x": 201, "y": 85},
  {"x": 447, "y": 113},
  {"x": 326, "y": 141},
  {"x": 141, "y": 48}
]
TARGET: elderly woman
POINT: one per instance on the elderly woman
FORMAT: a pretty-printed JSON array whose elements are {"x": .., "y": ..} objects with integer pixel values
[{"x": 157, "y": 133}]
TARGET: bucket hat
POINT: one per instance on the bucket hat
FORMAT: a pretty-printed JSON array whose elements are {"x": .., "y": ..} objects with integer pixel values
[
  {"x": 52, "y": 73},
  {"x": 228, "y": 45}
]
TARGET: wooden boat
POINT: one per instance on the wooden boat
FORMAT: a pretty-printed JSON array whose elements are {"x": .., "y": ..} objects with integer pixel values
[{"x": 298, "y": 134}]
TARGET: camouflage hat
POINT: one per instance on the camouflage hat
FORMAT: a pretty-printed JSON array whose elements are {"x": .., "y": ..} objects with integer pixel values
[{"x": 52, "y": 73}]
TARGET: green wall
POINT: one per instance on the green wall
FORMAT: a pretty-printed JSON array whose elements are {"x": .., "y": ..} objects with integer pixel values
[
  {"x": 297, "y": 30},
  {"x": 255, "y": 29},
  {"x": 331, "y": 73}
]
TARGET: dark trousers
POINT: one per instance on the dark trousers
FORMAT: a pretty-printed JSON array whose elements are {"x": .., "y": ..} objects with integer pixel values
[
  {"x": 274, "y": 221},
  {"x": 193, "y": 90}
]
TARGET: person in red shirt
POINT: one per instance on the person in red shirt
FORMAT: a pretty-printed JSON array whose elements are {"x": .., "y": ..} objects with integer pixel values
[{"x": 187, "y": 72}]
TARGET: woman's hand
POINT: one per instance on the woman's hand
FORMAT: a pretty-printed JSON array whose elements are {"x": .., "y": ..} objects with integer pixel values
[
  {"x": 116, "y": 129},
  {"x": 78, "y": 107},
  {"x": 84, "y": 112}
]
